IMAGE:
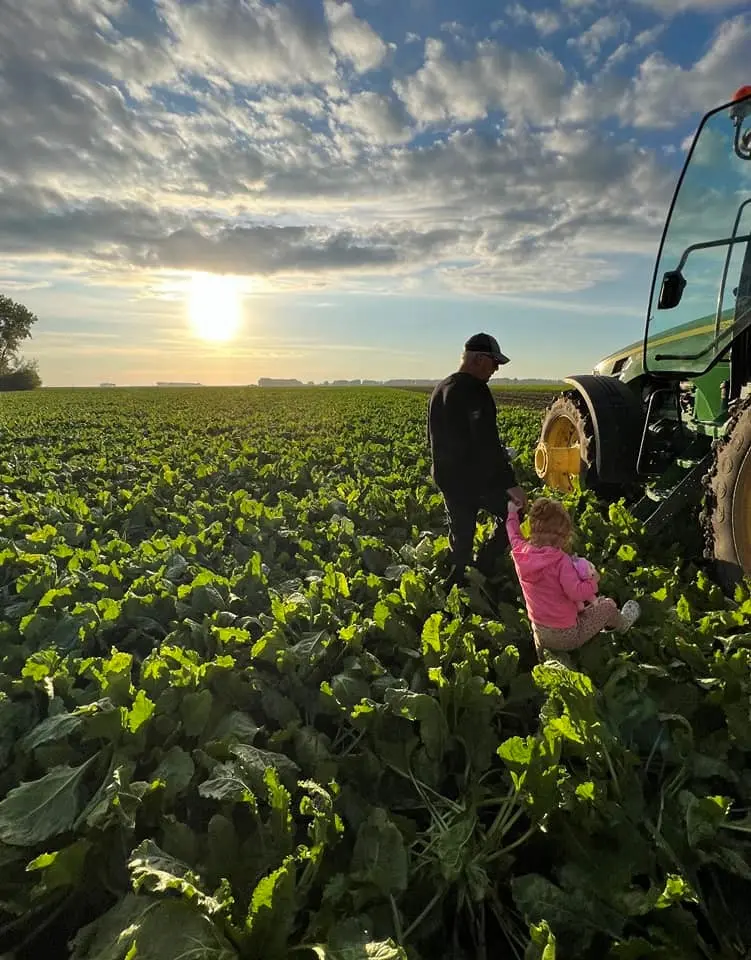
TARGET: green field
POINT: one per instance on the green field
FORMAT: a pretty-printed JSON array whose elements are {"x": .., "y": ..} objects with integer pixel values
[
  {"x": 239, "y": 717},
  {"x": 530, "y": 396}
]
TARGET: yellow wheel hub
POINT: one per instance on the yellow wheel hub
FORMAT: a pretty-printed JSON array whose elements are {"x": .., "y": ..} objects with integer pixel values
[{"x": 558, "y": 456}]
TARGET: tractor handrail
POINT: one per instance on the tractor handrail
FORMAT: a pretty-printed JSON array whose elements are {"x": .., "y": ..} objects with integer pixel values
[
  {"x": 706, "y": 244},
  {"x": 737, "y": 325}
]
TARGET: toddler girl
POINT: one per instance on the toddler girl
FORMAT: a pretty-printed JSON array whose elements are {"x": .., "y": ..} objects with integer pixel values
[{"x": 552, "y": 586}]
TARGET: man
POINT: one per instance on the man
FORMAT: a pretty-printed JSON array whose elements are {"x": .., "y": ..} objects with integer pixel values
[{"x": 470, "y": 464}]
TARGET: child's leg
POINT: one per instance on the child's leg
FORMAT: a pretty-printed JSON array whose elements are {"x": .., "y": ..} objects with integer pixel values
[
  {"x": 601, "y": 615},
  {"x": 556, "y": 638}
]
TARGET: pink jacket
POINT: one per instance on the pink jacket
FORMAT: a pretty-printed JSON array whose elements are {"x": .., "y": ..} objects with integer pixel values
[{"x": 550, "y": 583}]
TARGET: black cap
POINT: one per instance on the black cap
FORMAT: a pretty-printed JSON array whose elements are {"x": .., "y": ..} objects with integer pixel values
[{"x": 484, "y": 343}]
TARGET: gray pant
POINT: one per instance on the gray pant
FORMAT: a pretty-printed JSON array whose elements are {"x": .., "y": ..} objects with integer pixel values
[{"x": 603, "y": 614}]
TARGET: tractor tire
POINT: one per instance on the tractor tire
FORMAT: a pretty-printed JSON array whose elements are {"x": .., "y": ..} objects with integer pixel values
[
  {"x": 727, "y": 512},
  {"x": 566, "y": 451}
]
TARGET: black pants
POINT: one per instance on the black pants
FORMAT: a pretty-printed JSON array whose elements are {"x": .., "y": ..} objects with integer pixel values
[{"x": 462, "y": 511}]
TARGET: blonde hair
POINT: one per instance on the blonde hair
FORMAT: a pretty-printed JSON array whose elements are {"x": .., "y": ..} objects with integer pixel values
[{"x": 550, "y": 524}]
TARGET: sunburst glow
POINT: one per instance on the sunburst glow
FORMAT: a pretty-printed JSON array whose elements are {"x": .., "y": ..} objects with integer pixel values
[{"x": 214, "y": 306}]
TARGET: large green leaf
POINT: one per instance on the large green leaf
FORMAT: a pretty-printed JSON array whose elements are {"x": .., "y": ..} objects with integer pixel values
[
  {"x": 176, "y": 769},
  {"x": 59, "y": 725},
  {"x": 114, "y": 799},
  {"x": 425, "y": 709},
  {"x": 53, "y": 728},
  {"x": 379, "y": 856},
  {"x": 144, "y": 928},
  {"x": 195, "y": 711},
  {"x": 140, "y": 712},
  {"x": 271, "y": 916},
  {"x": 63, "y": 868},
  {"x": 255, "y": 762},
  {"x": 228, "y": 781},
  {"x": 45, "y": 808},
  {"x": 533, "y": 762},
  {"x": 573, "y": 915},
  {"x": 704, "y": 817},
  {"x": 350, "y": 940},
  {"x": 235, "y": 726},
  {"x": 155, "y": 871}
]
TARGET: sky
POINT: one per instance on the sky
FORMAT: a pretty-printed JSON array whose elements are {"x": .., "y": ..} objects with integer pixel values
[{"x": 222, "y": 190}]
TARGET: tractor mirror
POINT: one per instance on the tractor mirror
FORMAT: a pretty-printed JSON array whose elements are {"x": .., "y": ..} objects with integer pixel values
[{"x": 673, "y": 285}]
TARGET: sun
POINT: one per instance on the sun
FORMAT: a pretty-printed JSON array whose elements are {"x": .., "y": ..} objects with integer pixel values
[{"x": 214, "y": 306}]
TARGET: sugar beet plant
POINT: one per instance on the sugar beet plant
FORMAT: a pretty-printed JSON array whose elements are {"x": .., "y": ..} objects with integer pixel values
[{"x": 239, "y": 717}]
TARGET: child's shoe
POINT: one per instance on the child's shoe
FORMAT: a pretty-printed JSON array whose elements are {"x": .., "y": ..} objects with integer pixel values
[{"x": 630, "y": 612}]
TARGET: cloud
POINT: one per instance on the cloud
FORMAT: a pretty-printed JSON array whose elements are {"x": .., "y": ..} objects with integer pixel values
[
  {"x": 268, "y": 250},
  {"x": 543, "y": 208},
  {"x": 661, "y": 93},
  {"x": 258, "y": 42},
  {"x": 591, "y": 42},
  {"x": 644, "y": 39},
  {"x": 454, "y": 29},
  {"x": 77, "y": 37},
  {"x": 250, "y": 42},
  {"x": 8, "y": 286},
  {"x": 352, "y": 38},
  {"x": 670, "y": 7},
  {"x": 243, "y": 137},
  {"x": 546, "y": 22},
  {"x": 375, "y": 117},
  {"x": 521, "y": 82}
]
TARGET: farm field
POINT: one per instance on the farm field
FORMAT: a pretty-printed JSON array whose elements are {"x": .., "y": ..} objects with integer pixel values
[
  {"x": 239, "y": 717},
  {"x": 528, "y": 396}
]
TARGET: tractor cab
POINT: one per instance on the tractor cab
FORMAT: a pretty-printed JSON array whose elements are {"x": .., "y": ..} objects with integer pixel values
[
  {"x": 701, "y": 291},
  {"x": 656, "y": 419}
]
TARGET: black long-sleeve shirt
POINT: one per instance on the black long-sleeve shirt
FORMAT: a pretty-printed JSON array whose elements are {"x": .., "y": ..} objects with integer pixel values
[{"x": 468, "y": 456}]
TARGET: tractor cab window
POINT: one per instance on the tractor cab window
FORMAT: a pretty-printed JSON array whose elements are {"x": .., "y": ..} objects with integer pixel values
[{"x": 701, "y": 295}]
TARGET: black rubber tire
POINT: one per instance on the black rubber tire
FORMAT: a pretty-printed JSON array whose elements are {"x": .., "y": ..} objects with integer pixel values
[
  {"x": 570, "y": 407},
  {"x": 727, "y": 543}
]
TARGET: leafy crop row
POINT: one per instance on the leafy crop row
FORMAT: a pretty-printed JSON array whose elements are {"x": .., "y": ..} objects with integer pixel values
[{"x": 239, "y": 718}]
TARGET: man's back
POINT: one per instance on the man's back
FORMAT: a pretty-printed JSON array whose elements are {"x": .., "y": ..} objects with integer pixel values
[{"x": 458, "y": 406}]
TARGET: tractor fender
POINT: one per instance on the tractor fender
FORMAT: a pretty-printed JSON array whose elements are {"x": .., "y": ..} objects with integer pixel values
[{"x": 617, "y": 423}]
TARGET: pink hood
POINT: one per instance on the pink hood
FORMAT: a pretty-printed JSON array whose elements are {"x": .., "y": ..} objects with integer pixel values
[{"x": 550, "y": 583}]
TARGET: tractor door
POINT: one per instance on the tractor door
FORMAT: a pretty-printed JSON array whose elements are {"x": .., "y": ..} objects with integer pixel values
[{"x": 700, "y": 298}]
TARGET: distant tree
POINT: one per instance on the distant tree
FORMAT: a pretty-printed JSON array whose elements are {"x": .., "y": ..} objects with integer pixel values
[
  {"x": 24, "y": 377},
  {"x": 16, "y": 321}
]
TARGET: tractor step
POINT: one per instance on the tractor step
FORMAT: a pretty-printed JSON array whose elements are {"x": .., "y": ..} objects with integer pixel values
[{"x": 656, "y": 507}]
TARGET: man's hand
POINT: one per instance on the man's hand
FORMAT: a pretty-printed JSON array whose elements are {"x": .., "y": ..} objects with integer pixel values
[
  {"x": 518, "y": 496},
  {"x": 511, "y": 507}
]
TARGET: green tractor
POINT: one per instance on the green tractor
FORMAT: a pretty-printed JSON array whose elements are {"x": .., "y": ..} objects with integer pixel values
[{"x": 666, "y": 421}]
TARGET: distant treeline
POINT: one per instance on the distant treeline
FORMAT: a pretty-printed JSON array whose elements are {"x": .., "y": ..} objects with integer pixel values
[{"x": 500, "y": 383}]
